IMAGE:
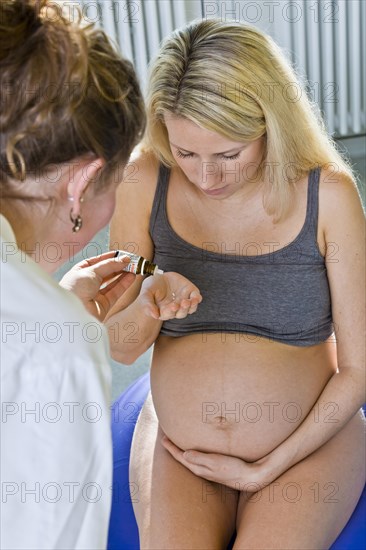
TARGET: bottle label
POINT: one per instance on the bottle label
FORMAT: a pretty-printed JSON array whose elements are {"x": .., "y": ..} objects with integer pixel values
[{"x": 132, "y": 266}]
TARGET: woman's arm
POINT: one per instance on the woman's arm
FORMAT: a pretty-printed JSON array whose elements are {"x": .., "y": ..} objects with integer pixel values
[
  {"x": 161, "y": 297},
  {"x": 344, "y": 229},
  {"x": 131, "y": 332},
  {"x": 135, "y": 320}
]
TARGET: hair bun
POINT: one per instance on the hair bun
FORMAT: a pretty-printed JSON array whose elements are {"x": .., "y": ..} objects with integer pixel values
[{"x": 19, "y": 20}]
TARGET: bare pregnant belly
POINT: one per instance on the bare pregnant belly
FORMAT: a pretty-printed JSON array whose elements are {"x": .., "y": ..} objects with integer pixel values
[{"x": 228, "y": 394}]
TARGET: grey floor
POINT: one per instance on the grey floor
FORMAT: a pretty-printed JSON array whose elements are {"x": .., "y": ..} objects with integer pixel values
[{"x": 123, "y": 375}]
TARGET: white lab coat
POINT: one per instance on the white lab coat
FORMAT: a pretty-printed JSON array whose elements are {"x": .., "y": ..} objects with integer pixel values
[{"x": 56, "y": 449}]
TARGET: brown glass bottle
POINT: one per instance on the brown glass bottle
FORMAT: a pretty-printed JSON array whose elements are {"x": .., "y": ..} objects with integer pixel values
[{"x": 139, "y": 265}]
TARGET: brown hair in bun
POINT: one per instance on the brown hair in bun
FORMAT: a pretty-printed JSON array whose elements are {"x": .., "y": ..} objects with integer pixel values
[{"x": 65, "y": 92}]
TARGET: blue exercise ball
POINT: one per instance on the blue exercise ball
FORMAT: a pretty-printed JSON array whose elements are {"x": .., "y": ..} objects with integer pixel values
[{"x": 123, "y": 531}]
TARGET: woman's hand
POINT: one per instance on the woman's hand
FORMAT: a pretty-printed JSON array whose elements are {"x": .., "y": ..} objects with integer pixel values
[
  {"x": 99, "y": 282},
  {"x": 169, "y": 296},
  {"x": 227, "y": 470}
]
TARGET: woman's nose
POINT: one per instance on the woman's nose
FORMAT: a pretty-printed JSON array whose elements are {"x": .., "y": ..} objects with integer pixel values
[{"x": 210, "y": 175}]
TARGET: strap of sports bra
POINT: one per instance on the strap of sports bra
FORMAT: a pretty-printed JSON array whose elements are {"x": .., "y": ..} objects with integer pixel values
[
  {"x": 312, "y": 210},
  {"x": 160, "y": 194}
]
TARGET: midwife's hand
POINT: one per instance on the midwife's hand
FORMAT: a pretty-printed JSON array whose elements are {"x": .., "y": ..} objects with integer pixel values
[
  {"x": 99, "y": 282},
  {"x": 227, "y": 470},
  {"x": 169, "y": 296}
]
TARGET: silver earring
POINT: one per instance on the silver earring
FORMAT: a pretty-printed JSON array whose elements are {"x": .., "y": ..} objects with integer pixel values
[{"x": 77, "y": 222}]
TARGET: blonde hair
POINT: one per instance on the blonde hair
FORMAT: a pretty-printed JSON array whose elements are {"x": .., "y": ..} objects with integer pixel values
[
  {"x": 67, "y": 93},
  {"x": 233, "y": 79}
]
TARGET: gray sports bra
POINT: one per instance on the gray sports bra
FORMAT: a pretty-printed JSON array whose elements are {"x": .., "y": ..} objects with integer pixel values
[{"x": 282, "y": 295}]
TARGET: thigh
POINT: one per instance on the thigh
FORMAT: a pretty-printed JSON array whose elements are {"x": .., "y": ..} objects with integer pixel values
[
  {"x": 174, "y": 508},
  {"x": 308, "y": 506}
]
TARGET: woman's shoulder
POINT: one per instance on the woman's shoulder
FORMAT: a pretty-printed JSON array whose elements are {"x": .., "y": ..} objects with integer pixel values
[
  {"x": 141, "y": 171},
  {"x": 340, "y": 200},
  {"x": 337, "y": 189}
]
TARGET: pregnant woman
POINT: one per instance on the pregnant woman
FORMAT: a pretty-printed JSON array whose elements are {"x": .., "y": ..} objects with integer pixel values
[{"x": 239, "y": 189}]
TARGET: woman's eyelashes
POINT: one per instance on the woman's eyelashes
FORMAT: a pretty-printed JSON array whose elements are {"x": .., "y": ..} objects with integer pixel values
[
  {"x": 183, "y": 155},
  {"x": 190, "y": 155},
  {"x": 231, "y": 157}
]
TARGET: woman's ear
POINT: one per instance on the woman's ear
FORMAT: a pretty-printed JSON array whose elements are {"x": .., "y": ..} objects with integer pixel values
[{"x": 86, "y": 172}]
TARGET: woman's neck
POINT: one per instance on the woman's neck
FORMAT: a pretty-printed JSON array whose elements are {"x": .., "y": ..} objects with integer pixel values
[{"x": 34, "y": 241}]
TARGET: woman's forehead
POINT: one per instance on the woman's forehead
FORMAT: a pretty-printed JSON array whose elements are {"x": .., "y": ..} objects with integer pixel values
[{"x": 186, "y": 134}]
